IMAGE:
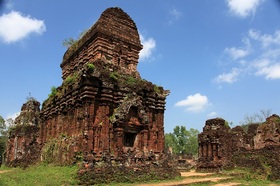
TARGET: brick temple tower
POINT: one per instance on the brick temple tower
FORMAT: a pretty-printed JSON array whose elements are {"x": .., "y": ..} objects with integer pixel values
[{"x": 103, "y": 107}]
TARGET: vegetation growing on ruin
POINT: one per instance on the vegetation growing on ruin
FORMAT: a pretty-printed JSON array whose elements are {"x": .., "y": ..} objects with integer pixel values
[
  {"x": 255, "y": 118},
  {"x": 69, "y": 42},
  {"x": 50, "y": 151},
  {"x": 262, "y": 164},
  {"x": 53, "y": 92},
  {"x": 71, "y": 79},
  {"x": 112, "y": 77},
  {"x": 124, "y": 175},
  {"x": 115, "y": 76},
  {"x": 72, "y": 42},
  {"x": 90, "y": 67},
  {"x": 54, "y": 148},
  {"x": 157, "y": 89},
  {"x": 129, "y": 81}
]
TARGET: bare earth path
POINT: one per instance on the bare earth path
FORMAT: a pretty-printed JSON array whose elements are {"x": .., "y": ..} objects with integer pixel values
[
  {"x": 194, "y": 177},
  {"x": 2, "y": 171}
]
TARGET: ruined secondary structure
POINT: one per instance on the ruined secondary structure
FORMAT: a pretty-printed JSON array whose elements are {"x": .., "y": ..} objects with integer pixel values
[
  {"x": 23, "y": 137},
  {"x": 103, "y": 108},
  {"x": 220, "y": 146},
  {"x": 214, "y": 144}
]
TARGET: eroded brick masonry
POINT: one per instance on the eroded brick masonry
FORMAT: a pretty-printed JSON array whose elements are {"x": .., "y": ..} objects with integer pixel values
[
  {"x": 223, "y": 147},
  {"x": 103, "y": 107}
]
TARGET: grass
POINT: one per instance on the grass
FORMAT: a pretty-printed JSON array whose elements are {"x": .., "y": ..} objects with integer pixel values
[
  {"x": 50, "y": 175},
  {"x": 244, "y": 177},
  {"x": 39, "y": 175}
]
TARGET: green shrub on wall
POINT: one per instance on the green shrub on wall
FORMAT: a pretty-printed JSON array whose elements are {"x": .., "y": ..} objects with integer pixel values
[{"x": 50, "y": 152}]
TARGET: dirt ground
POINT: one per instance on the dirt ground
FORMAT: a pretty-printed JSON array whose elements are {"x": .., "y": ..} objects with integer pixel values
[
  {"x": 195, "y": 177},
  {"x": 2, "y": 171}
]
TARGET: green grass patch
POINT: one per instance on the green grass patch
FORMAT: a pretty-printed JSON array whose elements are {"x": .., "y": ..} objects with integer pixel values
[
  {"x": 246, "y": 177},
  {"x": 39, "y": 175}
]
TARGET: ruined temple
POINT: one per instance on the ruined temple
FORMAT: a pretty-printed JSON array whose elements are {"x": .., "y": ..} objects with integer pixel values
[
  {"x": 103, "y": 107},
  {"x": 214, "y": 144},
  {"x": 221, "y": 147},
  {"x": 23, "y": 136}
]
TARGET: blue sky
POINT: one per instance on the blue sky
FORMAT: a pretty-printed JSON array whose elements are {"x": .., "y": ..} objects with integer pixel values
[{"x": 218, "y": 58}]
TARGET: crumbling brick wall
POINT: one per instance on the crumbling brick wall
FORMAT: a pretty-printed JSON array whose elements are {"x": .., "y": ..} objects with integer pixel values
[
  {"x": 103, "y": 108},
  {"x": 214, "y": 146},
  {"x": 235, "y": 143},
  {"x": 22, "y": 146}
]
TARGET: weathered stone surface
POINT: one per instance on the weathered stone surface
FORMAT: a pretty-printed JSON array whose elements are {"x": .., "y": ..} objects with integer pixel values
[
  {"x": 23, "y": 147},
  {"x": 130, "y": 170},
  {"x": 103, "y": 109},
  {"x": 114, "y": 39},
  {"x": 264, "y": 161},
  {"x": 29, "y": 114},
  {"x": 237, "y": 147},
  {"x": 268, "y": 133},
  {"x": 214, "y": 146}
]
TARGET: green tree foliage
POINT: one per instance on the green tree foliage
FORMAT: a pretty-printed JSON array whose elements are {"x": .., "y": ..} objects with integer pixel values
[
  {"x": 228, "y": 124},
  {"x": 71, "y": 41},
  {"x": 2, "y": 145},
  {"x": 2, "y": 125},
  {"x": 2, "y": 136},
  {"x": 182, "y": 141},
  {"x": 53, "y": 92}
]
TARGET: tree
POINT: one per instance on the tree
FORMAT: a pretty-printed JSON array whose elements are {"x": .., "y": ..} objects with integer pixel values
[
  {"x": 256, "y": 118},
  {"x": 182, "y": 141},
  {"x": 2, "y": 126},
  {"x": 71, "y": 41},
  {"x": 2, "y": 136}
]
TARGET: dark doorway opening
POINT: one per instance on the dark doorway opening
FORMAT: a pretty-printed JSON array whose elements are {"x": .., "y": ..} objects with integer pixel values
[{"x": 129, "y": 139}]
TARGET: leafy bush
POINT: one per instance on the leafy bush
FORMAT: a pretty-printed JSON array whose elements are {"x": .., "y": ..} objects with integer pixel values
[
  {"x": 115, "y": 76},
  {"x": 53, "y": 92},
  {"x": 71, "y": 79},
  {"x": 90, "y": 67}
]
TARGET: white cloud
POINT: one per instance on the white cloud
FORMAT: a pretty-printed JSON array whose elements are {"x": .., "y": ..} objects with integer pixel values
[
  {"x": 272, "y": 53},
  {"x": 148, "y": 46},
  {"x": 227, "y": 77},
  {"x": 269, "y": 71},
  {"x": 261, "y": 63},
  {"x": 212, "y": 114},
  {"x": 260, "y": 55},
  {"x": 237, "y": 53},
  {"x": 194, "y": 103},
  {"x": 14, "y": 26},
  {"x": 175, "y": 16},
  {"x": 243, "y": 8},
  {"x": 266, "y": 40}
]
